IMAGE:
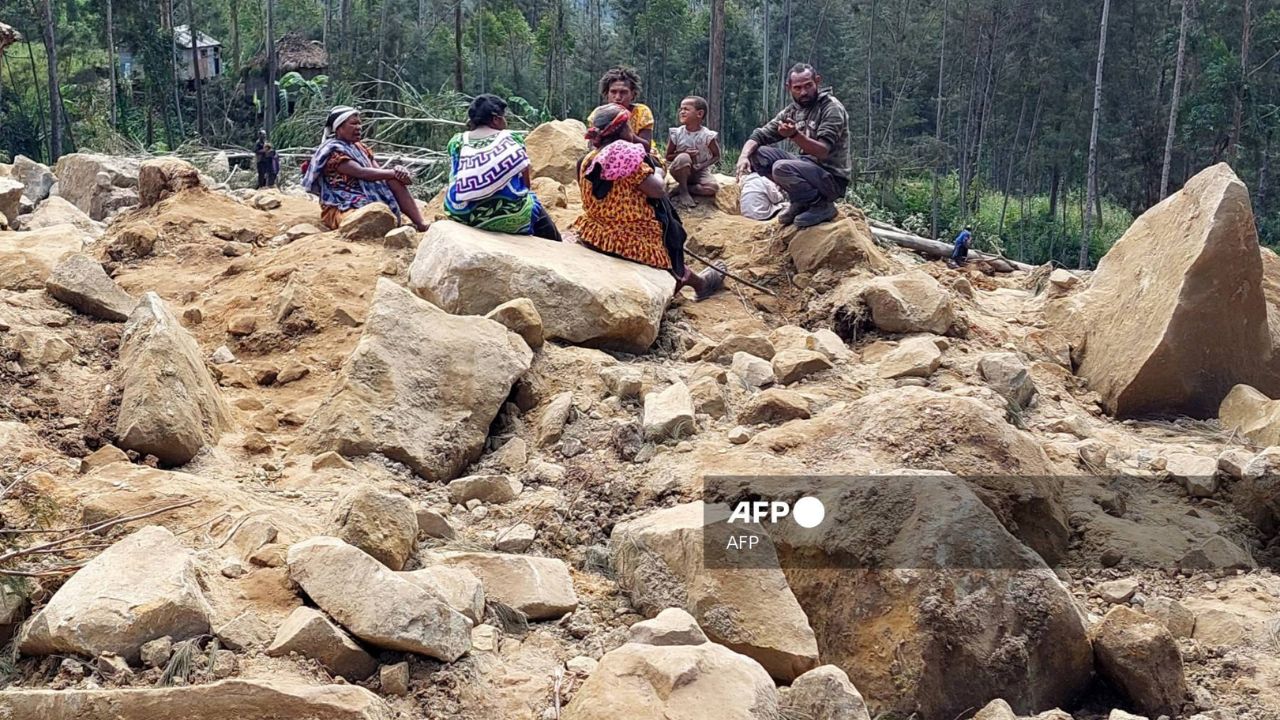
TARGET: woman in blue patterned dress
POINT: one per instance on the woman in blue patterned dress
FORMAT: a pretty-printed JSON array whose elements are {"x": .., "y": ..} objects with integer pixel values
[{"x": 489, "y": 176}]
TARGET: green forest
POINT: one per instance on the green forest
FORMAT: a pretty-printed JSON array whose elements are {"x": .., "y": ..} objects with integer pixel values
[{"x": 986, "y": 112}]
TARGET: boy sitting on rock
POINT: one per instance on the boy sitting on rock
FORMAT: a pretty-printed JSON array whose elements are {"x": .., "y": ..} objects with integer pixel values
[{"x": 692, "y": 150}]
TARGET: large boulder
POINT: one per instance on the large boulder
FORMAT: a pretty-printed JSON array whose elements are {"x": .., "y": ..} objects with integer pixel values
[
  {"x": 309, "y": 633},
  {"x": 58, "y": 211},
  {"x": 421, "y": 387},
  {"x": 910, "y": 303},
  {"x": 10, "y": 197},
  {"x": 1252, "y": 414},
  {"x": 1006, "y": 466},
  {"x": 371, "y": 222},
  {"x": 658, "y": 559},
  {"x": 459, "y": 587},
  {"x": 927, "y": 602},
  {"x": 79, "y": 281},
  {"x": 1175, "y": 314},
  {"x": 539, "y": 587},
  {"x": 28, "y": 258},
  {"x": 1008, "y": 375},
  {"x": 384, "y": 524},
  {"x": 376, "y": 604},
  {"x": 36, "y": 178},
  {"x": 914, "y": 357},
  {"x": 91, "y": 181},
  {"x": 170, "y": 407},
  {"x": 823, "y": 692},
  {"x": 158, "y": 178},
  {"x": 672, "y": 626},
  {"x": 675, "y": 682},
  {"x": 555, "y": 148},
  {"x": 141, "y": 588},
  {"x": 669, "y": 413},
  {"x": 226, "y": 700},
  {"x": 1140, "y": 657},
  {"x": 583, "y": 297},
  {"x": 842, "y": 244}
]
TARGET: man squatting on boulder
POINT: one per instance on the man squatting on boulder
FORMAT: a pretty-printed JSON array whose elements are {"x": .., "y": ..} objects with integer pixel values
[{"x": 819, "y": 126}]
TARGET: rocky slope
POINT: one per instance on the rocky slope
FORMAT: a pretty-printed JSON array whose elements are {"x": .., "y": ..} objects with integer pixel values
[{"x": 369, "y": 474}]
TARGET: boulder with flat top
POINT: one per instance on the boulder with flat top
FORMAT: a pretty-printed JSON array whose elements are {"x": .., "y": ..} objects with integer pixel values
[
  {"x": 28, "y": 258},
  {"x": 659, "y": 559},
  {"x": 421, "y": 387},
  {"x": 97, "y": 184},
  {"x": 583, "y": 297},
  {"x": 143, "y": 587},
  {"x": 842, "y": 244},
  {"x": 225, "y": 700}
]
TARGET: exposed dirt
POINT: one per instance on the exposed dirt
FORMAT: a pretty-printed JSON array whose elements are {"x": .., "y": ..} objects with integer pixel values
[{"x": 600, "y": 473}]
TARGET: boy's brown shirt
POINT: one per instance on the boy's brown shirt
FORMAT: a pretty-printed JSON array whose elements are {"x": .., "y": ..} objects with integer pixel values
[{"x": 826, "y": 120}]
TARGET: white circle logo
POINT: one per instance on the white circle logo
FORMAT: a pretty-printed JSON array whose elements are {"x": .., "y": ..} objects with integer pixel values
[{"x": 809, "y": 512}]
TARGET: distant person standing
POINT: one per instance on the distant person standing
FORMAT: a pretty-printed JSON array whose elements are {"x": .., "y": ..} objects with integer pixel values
[
  {"x": 817, "y": 123},
  {"x": 261, "y": 162},
  {"x": 272, "y": 169},
  {"x": 960, "y": 253}
]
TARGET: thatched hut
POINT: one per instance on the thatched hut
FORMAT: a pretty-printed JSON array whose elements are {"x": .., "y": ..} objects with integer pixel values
[{"x": 294, "y": 53}]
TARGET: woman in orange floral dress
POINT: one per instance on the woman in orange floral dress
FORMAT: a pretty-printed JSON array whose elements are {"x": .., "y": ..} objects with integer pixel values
[{"x": 626, "y": 211}]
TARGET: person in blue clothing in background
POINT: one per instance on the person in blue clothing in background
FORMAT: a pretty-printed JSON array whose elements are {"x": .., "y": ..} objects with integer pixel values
[{"x": 960, "y": 254}]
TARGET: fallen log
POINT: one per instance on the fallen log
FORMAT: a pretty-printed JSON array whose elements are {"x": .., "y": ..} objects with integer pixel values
[{"x": 940, "y": 250}]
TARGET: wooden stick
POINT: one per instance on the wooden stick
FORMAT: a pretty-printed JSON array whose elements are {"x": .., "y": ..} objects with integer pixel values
[
  {"x": 61, "y": 542},
  {"x": 748, "y": 283}
]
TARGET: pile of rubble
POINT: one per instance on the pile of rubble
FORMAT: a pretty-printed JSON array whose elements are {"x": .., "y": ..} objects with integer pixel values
[{"x": 367, "y": 474}]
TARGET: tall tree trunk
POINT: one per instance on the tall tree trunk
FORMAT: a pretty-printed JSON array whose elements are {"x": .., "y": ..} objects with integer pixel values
[
  {"x": 151, "y": 122},
  {"x": 234, "y": 11},
  {"x": 1237, "y": 116},
  {"x": 1055, "y": 184},
  {"x": 111, "y": 61},
  {"x": 1086, "y": 229},
  {"x": 786, "y": 55},
  {"x": 716, "y": 85},
  {"x": 988, "y": 97},
  {"x": 55, "y": 94},
  {"x": 871, "y": 34},
  {"x": 967, "y": 137},
  {"x": 344, "y": 10},
  {"x": 382, "y": 45},
  {"x": 1177, "y": 99},
  {"x": 764, "y": 62},
  {"x": 484, "y": 62},
  {"x": 1264, "y": 181},
  {"x": 177, "y": 82},
  {"x": 35, "y": 82},
  {"x": 941, "y": 158},
  {"x": 195, "y": 68},
  {"x": 1008, "y": 178},
  {"x": 457, "y": 50},
  {"x": 272, "y": 94}
]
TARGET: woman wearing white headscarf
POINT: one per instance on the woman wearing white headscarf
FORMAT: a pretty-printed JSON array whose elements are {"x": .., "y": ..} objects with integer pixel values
[{"x": 344, "y": 175}]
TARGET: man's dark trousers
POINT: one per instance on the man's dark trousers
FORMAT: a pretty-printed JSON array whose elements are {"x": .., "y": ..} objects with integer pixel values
[{"x": 804, "y": 181}]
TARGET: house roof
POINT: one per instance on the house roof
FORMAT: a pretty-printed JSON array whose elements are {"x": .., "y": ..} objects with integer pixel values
[
  {"x": 182, "y": 36},
  {"x": 295, "y": 52}
]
